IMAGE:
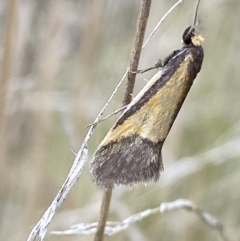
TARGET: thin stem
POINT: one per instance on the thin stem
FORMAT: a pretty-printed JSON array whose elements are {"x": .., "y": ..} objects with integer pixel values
[
  {"x": 103, "y": 216},
  {"x": 108, "y": 116},
  {"x": 196, "y": 13},
  {"x": 160, "y": 22},
  {"x": 138, "y": 42}
]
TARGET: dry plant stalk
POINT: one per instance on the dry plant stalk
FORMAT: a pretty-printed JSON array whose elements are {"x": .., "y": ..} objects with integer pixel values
[
  {"x": 40, "y": 228},
  {"x": 139, "y": 37},
  {"x": 113, "y": 228}
]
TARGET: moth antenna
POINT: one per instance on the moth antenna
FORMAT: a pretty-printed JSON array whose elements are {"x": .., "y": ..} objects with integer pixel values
[
  {"x": 195, "y": 17},
  {"x": 196, "y": 13}
]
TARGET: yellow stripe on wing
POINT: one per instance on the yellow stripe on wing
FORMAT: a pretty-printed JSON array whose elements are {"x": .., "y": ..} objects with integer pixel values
[{"x": 154, "y": 119}]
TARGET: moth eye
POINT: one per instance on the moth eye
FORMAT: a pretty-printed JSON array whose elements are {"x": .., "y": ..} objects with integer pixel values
[
  {"x": 187, "y": 35},
  {"x": 187, "y": 39}
]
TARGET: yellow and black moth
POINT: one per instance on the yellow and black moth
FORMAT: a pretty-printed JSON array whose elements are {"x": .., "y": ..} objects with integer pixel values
[{"x": 131, "y": 151}]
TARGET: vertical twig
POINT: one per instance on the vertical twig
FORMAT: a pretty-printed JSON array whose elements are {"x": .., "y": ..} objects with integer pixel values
[
  {"x": 103, "y": 215},
  {"x": 160, "y": 22},
  {"x": 142, "y": 23},
  {"x": 138, "y": 42}
]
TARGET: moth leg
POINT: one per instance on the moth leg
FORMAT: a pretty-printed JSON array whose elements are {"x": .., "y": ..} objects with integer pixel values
[
  {"x": 159, "y": 64},
  {"x": 135, "y": 72},
  {"x": 156, "y": 66},
  {"x": 145, "y": 70}
]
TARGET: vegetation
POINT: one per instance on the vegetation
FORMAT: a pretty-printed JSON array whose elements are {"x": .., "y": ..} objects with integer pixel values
[{"x": 61, "y": 62}]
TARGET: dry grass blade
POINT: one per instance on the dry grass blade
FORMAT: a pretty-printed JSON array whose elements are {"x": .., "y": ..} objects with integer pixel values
[
  {"x": 113, "y": 228},
  {"x": 108, "y": 116},
  {"x": 40, "y": 228},
  {"x": 160, "y": 22},
  {"x": 211, "y": 221}
]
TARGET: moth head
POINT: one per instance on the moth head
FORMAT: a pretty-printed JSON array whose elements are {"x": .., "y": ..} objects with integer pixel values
[{"x": 191, "y": 37}]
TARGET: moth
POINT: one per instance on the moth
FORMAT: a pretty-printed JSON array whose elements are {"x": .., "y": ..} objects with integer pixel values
[{"x": 130, "y": 153}]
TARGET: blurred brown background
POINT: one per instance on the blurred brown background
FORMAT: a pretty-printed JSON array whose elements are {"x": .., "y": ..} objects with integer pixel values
[{"x": 60, "y": 61}]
